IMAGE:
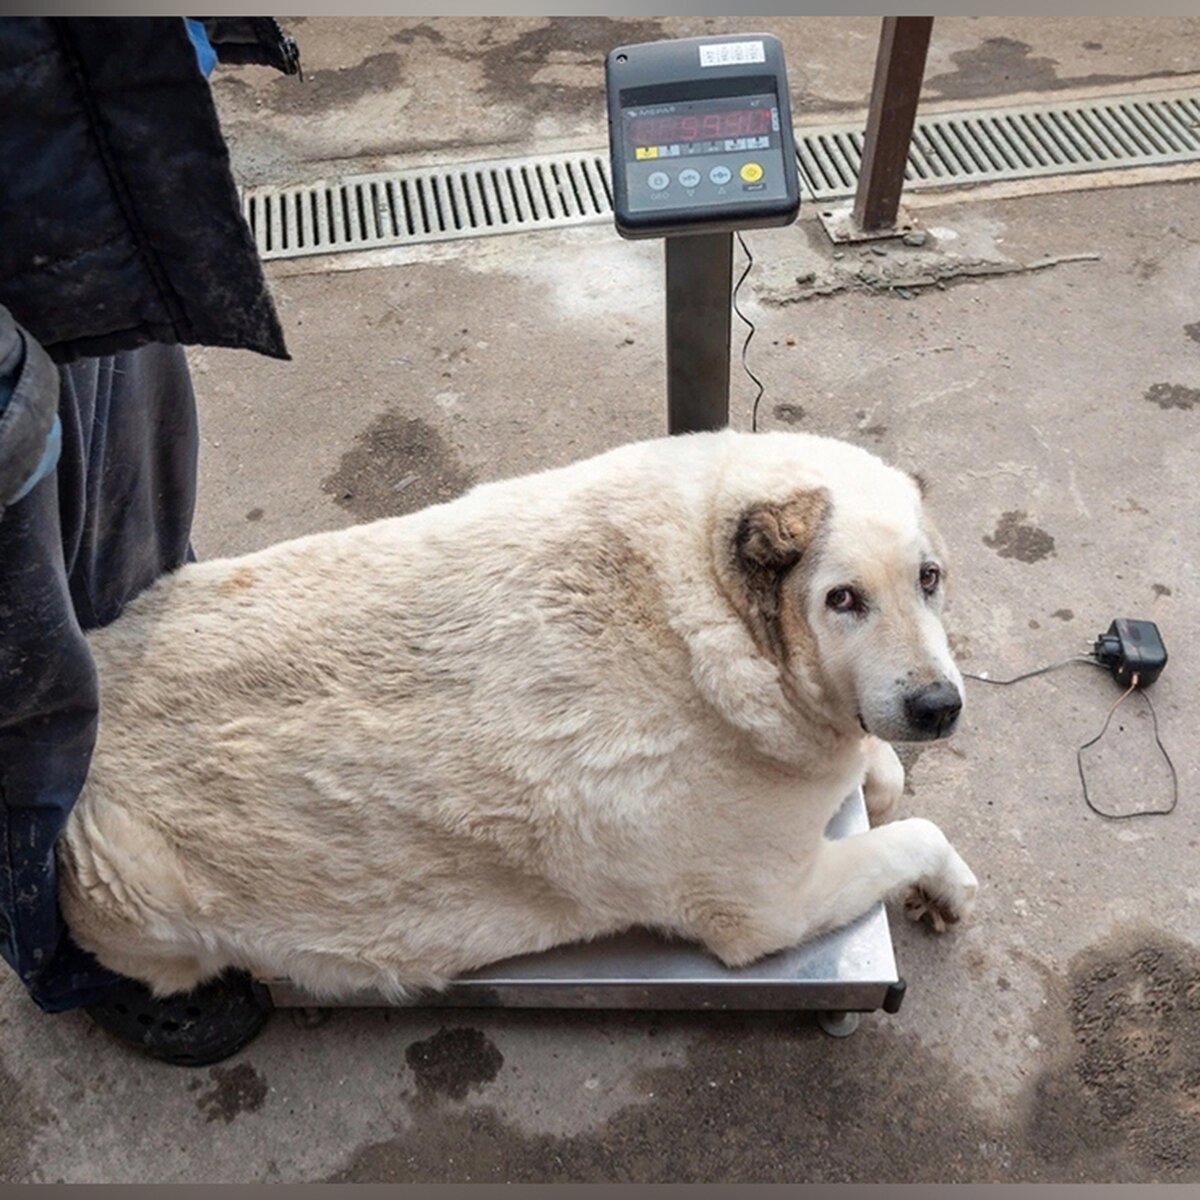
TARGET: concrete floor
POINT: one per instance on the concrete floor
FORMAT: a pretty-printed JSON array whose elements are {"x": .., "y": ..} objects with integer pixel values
[{"x": 1056, "y": 414}]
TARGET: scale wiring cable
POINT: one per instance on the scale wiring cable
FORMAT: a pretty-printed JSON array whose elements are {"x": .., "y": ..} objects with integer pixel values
[
  {"x": 737, "y": 308},
  {"x": 1095, "y": 662}
]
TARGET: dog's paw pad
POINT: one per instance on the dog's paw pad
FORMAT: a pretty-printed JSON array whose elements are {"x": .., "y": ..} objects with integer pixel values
[{"x": 921, "y": 905}]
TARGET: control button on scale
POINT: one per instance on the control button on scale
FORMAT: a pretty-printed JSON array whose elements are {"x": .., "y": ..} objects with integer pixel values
[
  {"x": 689, "y": 178},
  {"x": 720, "y": 175},
  {"x": 658, "y": 181},
  {"x": 751, "y": 172}
]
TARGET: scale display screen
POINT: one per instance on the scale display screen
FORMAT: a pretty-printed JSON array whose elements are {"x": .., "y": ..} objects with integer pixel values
[
  {"x": 700, "y": 136},
  {"x": 721, "y": 124},
  {"x": 695, "y": 153}
]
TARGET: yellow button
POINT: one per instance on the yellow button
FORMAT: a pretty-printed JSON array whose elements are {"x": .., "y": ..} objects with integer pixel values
[{"x": 752, "y": 172}]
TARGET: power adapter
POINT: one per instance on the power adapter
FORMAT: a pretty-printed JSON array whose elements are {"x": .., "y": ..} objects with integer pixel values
[
  {"x": 1134, "y": 653},
  {"x": 1131, "y": 650}
]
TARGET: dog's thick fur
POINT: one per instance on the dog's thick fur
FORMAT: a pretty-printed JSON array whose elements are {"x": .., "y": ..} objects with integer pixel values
[{"x": 561, "y": 705}]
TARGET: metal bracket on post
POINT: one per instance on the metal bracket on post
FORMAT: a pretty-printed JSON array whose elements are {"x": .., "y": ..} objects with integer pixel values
[
  {"x": 699, "y": 304},
  {"x": 899, "y": 69}
]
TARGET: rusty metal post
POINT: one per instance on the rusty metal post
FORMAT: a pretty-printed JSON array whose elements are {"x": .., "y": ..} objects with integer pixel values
[{"x": 899, "y": 69}]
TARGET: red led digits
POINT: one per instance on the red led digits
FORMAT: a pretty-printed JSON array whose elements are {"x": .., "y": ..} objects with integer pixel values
[{"x": 744, "y": 122}]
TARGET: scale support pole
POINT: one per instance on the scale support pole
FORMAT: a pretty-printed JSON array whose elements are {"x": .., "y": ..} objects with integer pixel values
[
  {"x": 899, "y": 68},
  {"x": 699, "y": 288}
]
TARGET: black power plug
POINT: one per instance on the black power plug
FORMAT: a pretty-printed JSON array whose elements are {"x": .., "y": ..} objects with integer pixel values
[{"x": 1132, "y": 649}]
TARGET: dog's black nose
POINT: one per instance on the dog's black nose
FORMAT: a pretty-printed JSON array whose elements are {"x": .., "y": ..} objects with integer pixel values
[{"x": 934, "y": 709}]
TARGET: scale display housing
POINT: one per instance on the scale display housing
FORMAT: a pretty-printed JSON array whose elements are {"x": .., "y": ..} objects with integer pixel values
[{"x": 700, "y": 136}]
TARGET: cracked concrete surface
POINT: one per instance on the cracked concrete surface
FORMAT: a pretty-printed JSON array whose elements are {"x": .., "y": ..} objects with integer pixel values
[{"x": 1052, "y": 412}]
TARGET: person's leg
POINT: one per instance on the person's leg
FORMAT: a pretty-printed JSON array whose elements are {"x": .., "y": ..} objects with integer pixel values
[
  {"x": 125, "y": 496},
  {"x": 48, "y": 706}
]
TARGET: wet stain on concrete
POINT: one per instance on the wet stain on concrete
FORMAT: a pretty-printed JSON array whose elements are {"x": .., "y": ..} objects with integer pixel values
[
  {"x": 233, "y": 1091},
  {"x": 397, "y": 465},
  {"x": 255, "y": 514},
  {"x": 768, "y": 1098},
  {"x": 1193, "y": 331},
  {"x": 21, "y": 1118},
  {"x": 453, "y": 1062},
  {"x": 324, "y": 90},
  {"x": 1064, "y": 614},
  {"x": 746, "y": 1106},
  {"x": 1001, "y": 65},
  {"x": 511, "y": 67},
  {"x": 1161, "y": 589},
  {"x": 426, "y": 33},
  {"x": 1014, "y": 538},
  {"x": 1173, "y": 395},
  {"x": 1127, "y": 1098},
  {"x": 789, "y": 414},
  {"x": 996, "y": 64}
]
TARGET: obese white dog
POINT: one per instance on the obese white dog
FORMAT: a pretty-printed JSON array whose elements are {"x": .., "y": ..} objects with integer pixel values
[{"x": 631, "y": 691}]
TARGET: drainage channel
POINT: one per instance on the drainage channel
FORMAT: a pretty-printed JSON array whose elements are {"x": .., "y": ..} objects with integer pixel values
[{"x": 479, "y": 199}]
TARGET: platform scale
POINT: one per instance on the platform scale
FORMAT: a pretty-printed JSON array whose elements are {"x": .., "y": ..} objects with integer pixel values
[{"x": 701, "y": 146}]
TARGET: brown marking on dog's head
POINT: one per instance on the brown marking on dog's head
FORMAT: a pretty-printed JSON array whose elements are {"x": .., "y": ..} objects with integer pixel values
[{"x": 771, "y": 540}]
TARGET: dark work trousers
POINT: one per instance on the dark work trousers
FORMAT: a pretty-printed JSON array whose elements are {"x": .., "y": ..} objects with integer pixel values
[{"x": 114, "y": 516}]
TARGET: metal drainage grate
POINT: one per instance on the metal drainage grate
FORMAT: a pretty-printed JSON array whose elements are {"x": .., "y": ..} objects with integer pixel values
[
  {"x": 429, "y": 205},
  {"x": 1015, "y": 143},
  {"x": 436, "y": 204}
]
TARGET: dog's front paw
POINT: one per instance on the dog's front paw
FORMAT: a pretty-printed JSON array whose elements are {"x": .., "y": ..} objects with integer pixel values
[{"x": 946, "y": 899}]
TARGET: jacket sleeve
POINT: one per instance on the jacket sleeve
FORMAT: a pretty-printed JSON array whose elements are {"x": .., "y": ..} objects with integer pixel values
[{"x": 29, "y": 385}]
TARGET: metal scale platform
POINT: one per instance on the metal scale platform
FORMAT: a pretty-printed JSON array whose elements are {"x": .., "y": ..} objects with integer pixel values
[
  {"x": 700, "y": 135},
  {"x": 837, "y": 976}
]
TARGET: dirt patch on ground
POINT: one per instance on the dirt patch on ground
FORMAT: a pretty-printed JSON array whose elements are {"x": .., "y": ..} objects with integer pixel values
[
  {"x": 771, "y": 1099},
  {"x": 324, "y": 91},
  {"x": 1015, "y": 538},
  {"x": 1127, "y": 1099},
  {"x": 523, "y": 70},
  {"x": 231, "y": 1092},
  {"x": 397, "y": 465},
  {"x": 999, "y": 66},
  {"x": 453, "y": 1062},
  {"x": 1173, "y": 395}
]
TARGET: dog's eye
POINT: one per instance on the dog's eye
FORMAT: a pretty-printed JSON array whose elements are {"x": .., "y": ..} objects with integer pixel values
[
  {"x": 931, "y": 576},
  {"x": 844, "y": 599}
]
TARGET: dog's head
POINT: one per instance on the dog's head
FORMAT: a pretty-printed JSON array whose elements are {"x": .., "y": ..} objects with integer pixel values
[{"x": 841, "y": 578}]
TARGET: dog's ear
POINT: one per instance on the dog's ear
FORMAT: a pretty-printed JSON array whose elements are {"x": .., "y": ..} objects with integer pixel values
[{"x": 772, "y": 538}]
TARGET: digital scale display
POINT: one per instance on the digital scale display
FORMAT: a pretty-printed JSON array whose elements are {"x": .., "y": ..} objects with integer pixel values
[
  {"x": 738, "y": 138},
  {"x": 694, "y": 127},
  {"x": 701, "y": 127},
  {"x": 700, "y": 136}
]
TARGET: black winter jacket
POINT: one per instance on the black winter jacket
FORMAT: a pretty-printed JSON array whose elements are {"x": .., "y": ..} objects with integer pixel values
[{"x": 119, "y": 218}]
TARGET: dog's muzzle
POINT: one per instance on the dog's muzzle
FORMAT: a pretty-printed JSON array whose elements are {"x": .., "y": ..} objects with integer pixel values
[{"x": 933, "y": 711}]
